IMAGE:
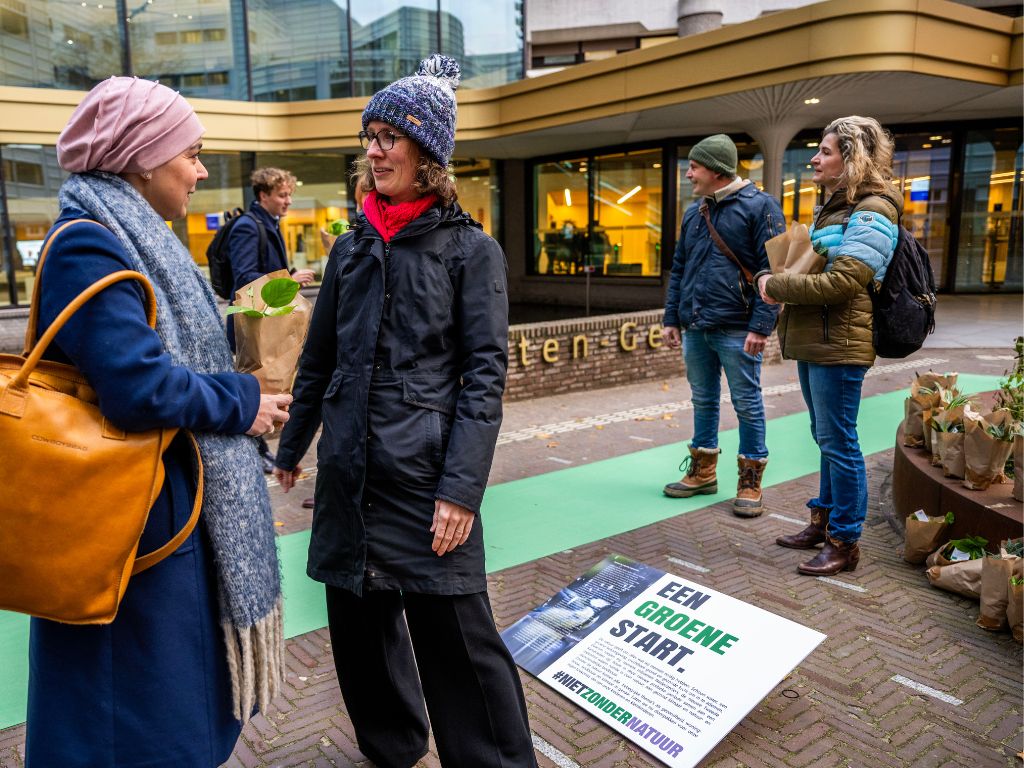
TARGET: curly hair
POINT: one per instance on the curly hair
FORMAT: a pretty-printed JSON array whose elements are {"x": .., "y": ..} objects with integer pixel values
[
  {"x": 266, "y": 180},
  {"x": 431, "y": 177},
  {"x": 867, "y": 151}
]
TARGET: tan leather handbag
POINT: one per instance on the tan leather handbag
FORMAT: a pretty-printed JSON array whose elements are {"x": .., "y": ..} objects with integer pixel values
[{"x": 76, "y": 490}]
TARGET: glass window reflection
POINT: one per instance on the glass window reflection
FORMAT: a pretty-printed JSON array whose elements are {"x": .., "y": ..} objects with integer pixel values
[
  {"x": 321, "y": 195},
  {"x": 989, "y": 256},
  {"x": 389, "y": 40},
  {"x": 625, "y": 235},
  {"x": 486, "y": 38},
  {"x": 299, "y": 49},
  {"x": 561, "y": 190},
  {"x": 31, "y": 179},
  {"x": 921, "y": 168},
  {"x": 193, "y": 46},
  {"x": 59, "y": 43}
]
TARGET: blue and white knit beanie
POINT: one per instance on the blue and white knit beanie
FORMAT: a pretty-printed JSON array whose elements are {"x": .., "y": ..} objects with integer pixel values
[{"x": 422, "y": 105}]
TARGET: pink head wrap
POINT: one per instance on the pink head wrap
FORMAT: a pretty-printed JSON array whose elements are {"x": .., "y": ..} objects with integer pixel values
[{"x": 125, "y": 124}]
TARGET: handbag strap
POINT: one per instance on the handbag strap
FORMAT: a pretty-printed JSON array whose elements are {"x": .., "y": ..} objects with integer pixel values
[
  {"x": 20, "y": 380},
  {"x": 154, "y": 557},
  {"x": 725, "y": 249}
]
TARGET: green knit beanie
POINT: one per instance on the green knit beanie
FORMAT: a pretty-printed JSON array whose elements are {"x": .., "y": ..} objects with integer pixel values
[{"x": 716, "y": 153}]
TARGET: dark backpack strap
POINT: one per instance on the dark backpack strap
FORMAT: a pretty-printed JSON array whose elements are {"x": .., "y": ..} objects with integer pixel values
[
  {"x": 261, "y": 249},
  {"x": 725, "y": 249}
]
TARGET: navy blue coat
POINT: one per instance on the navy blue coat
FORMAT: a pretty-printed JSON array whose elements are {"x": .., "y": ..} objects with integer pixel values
[
  {"x": 152, "y": 688},
  {"x": 244, "y": 247},
  {"x": 244, "y": 252},
  {"x": 405, "y": 360},
  {"x": 706, "y": 290}
]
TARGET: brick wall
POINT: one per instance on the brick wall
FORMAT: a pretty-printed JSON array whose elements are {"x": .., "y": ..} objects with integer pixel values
[
  {"x": 606, "y": 363},
  {"x": 591, "y": 353}
]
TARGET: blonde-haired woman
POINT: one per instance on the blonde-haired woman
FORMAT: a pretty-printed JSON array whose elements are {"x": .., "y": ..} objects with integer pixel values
[{"x": 827, "y": 326}]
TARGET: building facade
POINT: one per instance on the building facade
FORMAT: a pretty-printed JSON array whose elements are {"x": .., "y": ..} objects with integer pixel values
[{"x": 578, "y": 171}]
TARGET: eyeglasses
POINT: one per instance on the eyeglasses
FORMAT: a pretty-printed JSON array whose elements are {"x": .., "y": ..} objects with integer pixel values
[{"x": 385, "y": 139}]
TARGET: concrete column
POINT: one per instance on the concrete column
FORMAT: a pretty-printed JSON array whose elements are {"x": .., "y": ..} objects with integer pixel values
[
  {"x": 774, "y": 138},
  {"x": 696, "y": 16}
]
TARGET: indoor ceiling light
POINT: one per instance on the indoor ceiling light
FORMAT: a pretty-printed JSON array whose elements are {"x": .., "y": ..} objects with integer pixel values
[
  {"x": 628, "y": 195},
  {"x": 568, "y": 197},
  {"x": 812, "y": 101}
]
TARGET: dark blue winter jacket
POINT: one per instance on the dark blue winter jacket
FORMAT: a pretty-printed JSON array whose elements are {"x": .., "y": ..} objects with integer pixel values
[
  {"x": 706, "y": 289},
  {"x": 244, "y": 247}
]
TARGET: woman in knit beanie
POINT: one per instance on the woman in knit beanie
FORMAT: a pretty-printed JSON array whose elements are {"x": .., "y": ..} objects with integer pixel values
[
  {"x": 196, "y": 644},
  {"x": 405, "y": 364}
]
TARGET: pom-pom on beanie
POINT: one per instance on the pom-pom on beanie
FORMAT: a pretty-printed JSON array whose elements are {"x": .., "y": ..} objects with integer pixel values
[
  {"x": 126, "y": 124},
  {"x": 422, "y": 106},
  {"x": 716, "y": 153}
]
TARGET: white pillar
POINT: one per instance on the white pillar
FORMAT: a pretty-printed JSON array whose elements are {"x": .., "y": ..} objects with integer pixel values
[{"x": 774, "y": 137}]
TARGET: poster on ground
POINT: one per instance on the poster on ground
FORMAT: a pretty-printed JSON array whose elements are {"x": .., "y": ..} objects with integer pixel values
[{"x": 670, "y": 664}]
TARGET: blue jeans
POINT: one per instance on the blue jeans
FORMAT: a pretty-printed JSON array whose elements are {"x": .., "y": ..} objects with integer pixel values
[
  {"x": 706, "y": 353},
  {"x": 832, "y": 394}
]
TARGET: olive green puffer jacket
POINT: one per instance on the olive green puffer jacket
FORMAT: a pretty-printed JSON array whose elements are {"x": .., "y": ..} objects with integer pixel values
[{"x": 828, "y": 316}]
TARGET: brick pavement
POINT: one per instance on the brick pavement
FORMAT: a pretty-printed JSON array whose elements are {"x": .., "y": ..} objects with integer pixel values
[{"x": 847, "y": 710}]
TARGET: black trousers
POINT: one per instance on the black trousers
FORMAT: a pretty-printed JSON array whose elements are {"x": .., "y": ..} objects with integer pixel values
[{"x": 394, "y": 651}]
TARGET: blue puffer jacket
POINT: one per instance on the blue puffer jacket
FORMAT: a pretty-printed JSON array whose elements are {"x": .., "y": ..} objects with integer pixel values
[{"x": 706, "y": 289}]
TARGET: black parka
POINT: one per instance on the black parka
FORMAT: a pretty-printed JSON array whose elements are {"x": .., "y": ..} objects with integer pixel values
[{"x": 407, "y": 373}]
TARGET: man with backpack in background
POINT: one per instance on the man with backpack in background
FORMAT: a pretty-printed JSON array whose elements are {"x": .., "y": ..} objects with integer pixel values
[
  {"x": 710, "y": 295},
  {"x": 255, "y": 247}
]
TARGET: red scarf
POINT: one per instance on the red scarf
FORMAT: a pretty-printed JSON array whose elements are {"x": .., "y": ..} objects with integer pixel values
[{"x": 390, "y": 219}]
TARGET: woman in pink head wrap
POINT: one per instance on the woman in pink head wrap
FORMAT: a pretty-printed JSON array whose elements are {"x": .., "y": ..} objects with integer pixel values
[{"x": 196, "y": 645}]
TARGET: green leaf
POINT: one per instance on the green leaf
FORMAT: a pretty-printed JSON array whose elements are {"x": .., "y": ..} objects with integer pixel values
[
  {"x": 949, "y": 518},
  {"x": 277, "y": 312},
  {"x": 972, "y": 545},
  {"x": 249, "y": 311},
  {"x": 279, "y": 292}
]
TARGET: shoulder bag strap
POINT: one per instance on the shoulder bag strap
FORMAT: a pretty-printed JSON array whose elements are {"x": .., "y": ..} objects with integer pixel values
[
  {"x": 261, "y": 248},
  {"x": 725, "y": 249},
  {"x": 154, "y": 557}
]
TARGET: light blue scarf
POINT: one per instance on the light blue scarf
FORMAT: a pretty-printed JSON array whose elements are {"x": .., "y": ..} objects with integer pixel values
[{"x": 236, "y": 505}]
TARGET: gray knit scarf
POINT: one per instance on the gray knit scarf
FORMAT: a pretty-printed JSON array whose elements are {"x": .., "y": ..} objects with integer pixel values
[{"x": 236, "y": 506}]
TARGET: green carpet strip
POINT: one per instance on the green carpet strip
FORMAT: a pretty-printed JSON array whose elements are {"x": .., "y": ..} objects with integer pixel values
[{"x": 538, "y": 516}]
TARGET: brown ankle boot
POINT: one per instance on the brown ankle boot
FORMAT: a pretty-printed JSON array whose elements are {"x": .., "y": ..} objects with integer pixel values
[
  {"x": 748, "y": 502},
  {"x": 700, "y": 476},
  {"x": 834, "y": 557},
  {"x": 809, "y": 537}
]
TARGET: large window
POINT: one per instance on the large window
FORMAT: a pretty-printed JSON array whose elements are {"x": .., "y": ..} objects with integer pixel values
[
  {"x": 321, "y": 196},
  {"x": 921, "y": 167},
  {"x": 299, "y": 49},
  {"x": 989, "y": 252},
  {"x": 220, "y": 193},
  {"x": 624, "y": 236},
  {"x": 31, "y": 180},
  {"x": 389, "y": 39},
  {"x": 599, "y": 215},
  {"x": 59, "y": 43},
  {"x": 486, "y": 38},
  {"x": 194, "y": 46},
  {"x": 266, "y": 50},
  {"x": 477, "y": 183}
]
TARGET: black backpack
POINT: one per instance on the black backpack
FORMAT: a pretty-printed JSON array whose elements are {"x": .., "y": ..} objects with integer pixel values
[
  {"x": 904, "y": 304},
  {"x": 219, "y": 260}
]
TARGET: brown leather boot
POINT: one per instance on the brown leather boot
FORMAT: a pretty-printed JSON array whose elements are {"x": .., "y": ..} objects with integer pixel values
[
  {"x": 700, "y": 476},
  {"x": 834, "y": 557},
  {"x": 811, "y": 536},
  {"x": 748, "y": 501}
]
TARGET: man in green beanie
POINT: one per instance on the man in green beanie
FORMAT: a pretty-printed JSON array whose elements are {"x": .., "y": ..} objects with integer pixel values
[{"x": 710, "y": 297}]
